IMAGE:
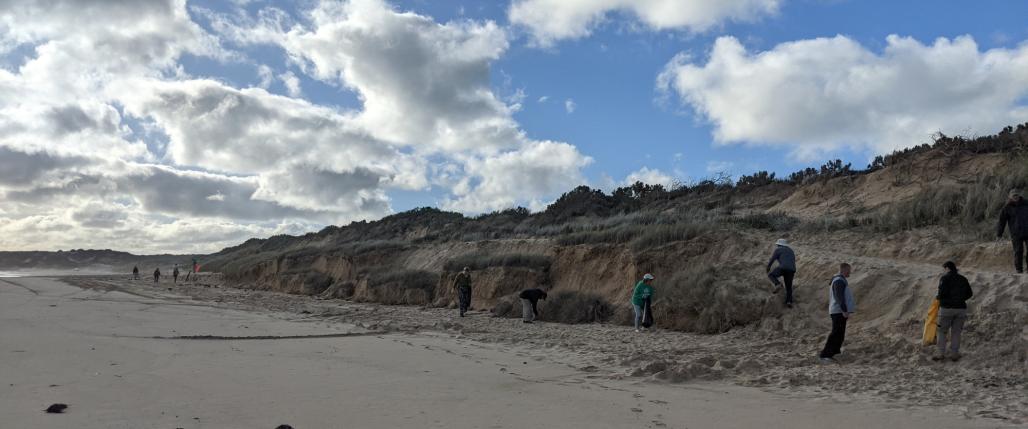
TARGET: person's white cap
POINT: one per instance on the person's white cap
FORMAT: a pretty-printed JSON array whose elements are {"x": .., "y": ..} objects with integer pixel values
[
  {"x": 782, "y": 242},
  {"x": 648, "y": 276}
]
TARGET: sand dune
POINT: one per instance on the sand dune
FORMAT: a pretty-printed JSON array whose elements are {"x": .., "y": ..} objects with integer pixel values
[{"x": 881, "y": 365}]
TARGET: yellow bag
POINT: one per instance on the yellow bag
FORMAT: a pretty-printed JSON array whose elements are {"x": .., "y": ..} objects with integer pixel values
[{"x": 930, "y": 324}]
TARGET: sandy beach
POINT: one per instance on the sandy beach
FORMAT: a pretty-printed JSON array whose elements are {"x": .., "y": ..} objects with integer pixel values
[{"x": 159, "y": 359}]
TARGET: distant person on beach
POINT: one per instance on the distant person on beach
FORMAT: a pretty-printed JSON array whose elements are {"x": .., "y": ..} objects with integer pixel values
[
  {"x": 529, "y": 299},
  {"x": 1015, "y": 216},
  {"x": 786, "y": 268},
  {"x": 840, "y": 306},
  {"x": 463, "y": 285},
  {"x": 954, "y": 291},
  {"x": 641, "y": 296},
  {"x": 174, "y": 274},
  {"x": 157, "y": 275},
  {"x": 135, "y": 273}
]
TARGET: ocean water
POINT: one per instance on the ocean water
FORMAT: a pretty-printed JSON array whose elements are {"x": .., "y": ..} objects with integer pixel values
[{"x": 9, "y": 274}]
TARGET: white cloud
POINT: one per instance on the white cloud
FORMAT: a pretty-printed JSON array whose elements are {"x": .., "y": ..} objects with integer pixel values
[
  {"x": 452, "y": 111},
  {"x": 819, "y": 94},
  {"x": 539, "y": 169},
  {"x": 570, "y": 106},
  {"x": 266, "y": 76},
  {"x": 292, "y": 84},
  {"x": 552, "y": 20},
  {"x": 543, "y": 99},
  {"x": 107, "y": 141},
  {"x": 719, "y": 166},
  {"x": 385, "y": 56},
  {"x": 649, "y": 176}
]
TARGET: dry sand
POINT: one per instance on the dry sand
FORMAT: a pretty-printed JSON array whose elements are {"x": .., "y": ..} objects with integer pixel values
[{"x": 125, "y": 354}]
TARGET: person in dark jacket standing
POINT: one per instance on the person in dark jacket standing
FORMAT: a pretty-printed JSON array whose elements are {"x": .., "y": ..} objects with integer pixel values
[
  {"x": 157, "y": 275},
  {"x": 463, "y": 285},
  {"x": 174, "y": 274},
  {"x": 135, "y": 273},
  {"x": 786, "y": 268},
  {"x": 1015, "y": 217},
  {"x": 840, "y": 306},
  {"x": 529, "y": 298},
  {"x": 954, "y": 291}
]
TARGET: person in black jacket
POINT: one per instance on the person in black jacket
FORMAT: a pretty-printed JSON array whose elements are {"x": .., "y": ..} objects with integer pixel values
[
  {"x": 1015, "y": 216},
  {"x": 529, "y": 298},
  {"x": 954, "y": 291}
]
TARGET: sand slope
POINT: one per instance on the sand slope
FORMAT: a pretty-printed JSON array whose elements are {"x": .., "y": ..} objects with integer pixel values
[{"x": 444, "y": 371}]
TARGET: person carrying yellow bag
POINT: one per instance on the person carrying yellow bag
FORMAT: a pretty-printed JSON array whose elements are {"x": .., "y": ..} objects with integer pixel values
[
  {"x": 954, "y": 291},
  {"x": 930, "y": 323}
]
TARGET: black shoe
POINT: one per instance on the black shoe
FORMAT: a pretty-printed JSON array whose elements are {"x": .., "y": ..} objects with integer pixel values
[
  {"x": 788, "y": 304},
  {"x": 526, "y": 321}
]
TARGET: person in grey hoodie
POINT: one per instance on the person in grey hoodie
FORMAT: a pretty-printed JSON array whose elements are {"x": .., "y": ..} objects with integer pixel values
[
  {"x": 840, "y": 306},
  {"x": 786, "y": 268},
  {"x": 1014, "y": 216}
]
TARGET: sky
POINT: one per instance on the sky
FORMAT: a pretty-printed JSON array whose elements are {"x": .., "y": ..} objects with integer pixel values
[{"x": 188, "y": 126}]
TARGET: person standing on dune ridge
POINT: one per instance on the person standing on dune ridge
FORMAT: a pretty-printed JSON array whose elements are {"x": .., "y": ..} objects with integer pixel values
[
  {"x": 1015, "y": 216},
  {"x": 135, "y": 273}
]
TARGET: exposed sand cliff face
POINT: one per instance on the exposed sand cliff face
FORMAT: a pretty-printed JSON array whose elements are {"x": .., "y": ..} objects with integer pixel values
[
  {"x": 714, "y": 281},
  {"x": 890, "y": 185}
]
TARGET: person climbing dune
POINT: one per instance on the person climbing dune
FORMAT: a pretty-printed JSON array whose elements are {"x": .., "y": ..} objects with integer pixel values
[{"x": 786, "y": 268}]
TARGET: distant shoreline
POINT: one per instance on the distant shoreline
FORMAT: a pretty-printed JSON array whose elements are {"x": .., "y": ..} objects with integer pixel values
[{"x": 53, "y": 273}]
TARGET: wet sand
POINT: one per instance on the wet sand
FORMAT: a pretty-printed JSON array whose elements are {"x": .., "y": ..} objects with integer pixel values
[{"x": 126, "y": 360}]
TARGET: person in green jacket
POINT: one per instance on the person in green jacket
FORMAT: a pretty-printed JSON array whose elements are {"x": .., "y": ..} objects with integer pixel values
[{"x": 643, "y": 291}]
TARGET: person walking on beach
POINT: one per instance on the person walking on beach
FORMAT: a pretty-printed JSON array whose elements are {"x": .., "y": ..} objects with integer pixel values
[
  {"x": 135, "y": 273},
  {"x": 529, "y": 298},
  {"x": 954, "y": 291},
  {"x": 463, "y": 285},
  {"x": 786, "y": 268},
  {"x": 840, "y": 306},
  {"x": 641, "y": 295},
  {"x": 1014, "y": 215},
  {"x": 157, "y": 275},
  {"x": 174, "y": 274}
]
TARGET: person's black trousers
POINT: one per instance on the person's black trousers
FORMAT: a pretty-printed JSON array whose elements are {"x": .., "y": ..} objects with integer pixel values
[
  {"x": 834, "y": 344},
  {"x": 787, "y": 277},
  {"x": 1019, "y": 246},
  {"x": 464, "y": 299}
]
